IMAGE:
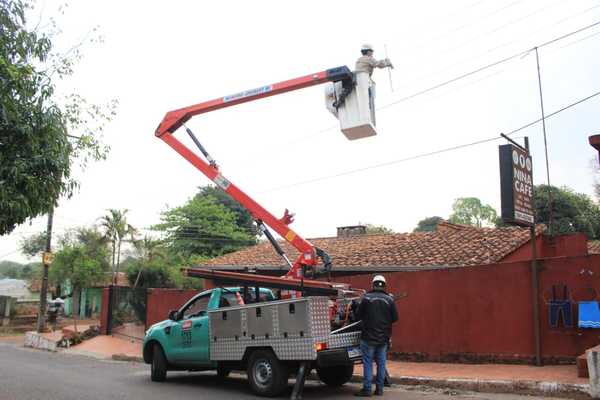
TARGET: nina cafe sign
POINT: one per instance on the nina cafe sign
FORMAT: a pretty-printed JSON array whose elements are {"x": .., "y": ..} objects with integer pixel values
[{"x": 516, "y": 185}]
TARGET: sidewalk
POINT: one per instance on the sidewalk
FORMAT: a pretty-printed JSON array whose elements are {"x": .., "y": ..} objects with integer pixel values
[
  {"x": 552, "y": 380},
  {"x": 110, "y": 347}
]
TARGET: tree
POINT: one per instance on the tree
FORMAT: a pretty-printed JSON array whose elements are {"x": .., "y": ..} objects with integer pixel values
[
  {"x": 81, "y": 266},
  {"x": 378, "y": 229},
  {"x": 41, "y": 135},
  {"x": 571, "y": 211},
  {"x": 470, "y": 211},
  {"x": 10, "y": 269},
  {"x": 117, "y": 230},
  {"x": 428, "y": 224},
  {"x": 202, "y": 227},
  {"x": 34, "y": 245},
  {"x": 243, "y": 218}
]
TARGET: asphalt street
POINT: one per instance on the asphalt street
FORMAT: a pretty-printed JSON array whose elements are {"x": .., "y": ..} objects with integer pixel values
[{"x": 27, "y": 374}]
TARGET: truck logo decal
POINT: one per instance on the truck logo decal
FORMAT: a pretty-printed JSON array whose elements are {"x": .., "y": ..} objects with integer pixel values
[
  {"x": 248, "y": 93},
  {"x": 187, "y": 325}
]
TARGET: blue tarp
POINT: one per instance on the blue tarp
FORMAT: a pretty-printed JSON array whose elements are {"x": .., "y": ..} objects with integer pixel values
[{"x": 589, "y": 314}]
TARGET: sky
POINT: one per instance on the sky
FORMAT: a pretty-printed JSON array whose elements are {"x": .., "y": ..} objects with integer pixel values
[{"x": 287, "y": 151}]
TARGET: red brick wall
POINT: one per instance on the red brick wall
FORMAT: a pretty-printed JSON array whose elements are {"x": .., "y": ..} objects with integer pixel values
[
  {"x": 161, "y": 301},
  {"x": 484, "y": 313}
]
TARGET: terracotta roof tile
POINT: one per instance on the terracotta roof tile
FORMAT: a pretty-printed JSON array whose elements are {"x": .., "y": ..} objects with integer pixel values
[
  {"x": 594, "y": 247},
  {"x": 453, "y": 245}
]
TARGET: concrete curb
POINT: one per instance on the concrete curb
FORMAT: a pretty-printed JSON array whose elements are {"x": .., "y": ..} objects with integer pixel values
[
  {"x": 37, "y": 341},
  {"x": 538, "y": 388}
]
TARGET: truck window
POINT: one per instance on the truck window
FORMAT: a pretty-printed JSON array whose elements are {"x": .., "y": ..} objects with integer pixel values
[{"x": 197, "y": 308}]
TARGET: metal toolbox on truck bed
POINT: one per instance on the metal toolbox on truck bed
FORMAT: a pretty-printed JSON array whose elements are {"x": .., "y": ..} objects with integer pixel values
[{"x": 291, "y": 328}]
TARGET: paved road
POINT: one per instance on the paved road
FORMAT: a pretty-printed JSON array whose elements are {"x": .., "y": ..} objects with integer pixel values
[{"x": 27, "y": 374}]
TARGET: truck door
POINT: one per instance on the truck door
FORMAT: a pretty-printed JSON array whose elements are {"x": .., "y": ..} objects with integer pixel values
[{"x": 190, "y": 333}]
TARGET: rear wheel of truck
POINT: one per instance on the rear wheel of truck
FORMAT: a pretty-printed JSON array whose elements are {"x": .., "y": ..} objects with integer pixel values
[
  {"x": 337, "y": 375},
  {"x": 267, "y": 375},
  {"x": 158, "y": 368}
]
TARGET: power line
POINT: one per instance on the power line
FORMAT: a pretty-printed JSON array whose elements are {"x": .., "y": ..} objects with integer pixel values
[
  {"x": 488, "y": 66},
  {"x": 431, "y": 153},
  {"x": 439, "y": 71}
]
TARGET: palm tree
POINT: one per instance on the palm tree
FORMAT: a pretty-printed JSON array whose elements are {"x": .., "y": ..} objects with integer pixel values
[
  {"x": 117, "y": 230},
  {"x": 147, "y": 249}
]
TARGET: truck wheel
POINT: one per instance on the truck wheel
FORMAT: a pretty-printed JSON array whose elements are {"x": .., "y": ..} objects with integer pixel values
[
  {"x": 267, "y": 375},
  {"x": 158, "y": 368},
  {"x": 337, "y": 375}
]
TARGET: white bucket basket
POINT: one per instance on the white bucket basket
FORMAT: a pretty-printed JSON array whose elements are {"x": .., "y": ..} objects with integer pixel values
[{"x": 357, "y": 114}]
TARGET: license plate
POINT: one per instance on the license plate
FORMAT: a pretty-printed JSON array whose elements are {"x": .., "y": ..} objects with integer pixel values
[{"x": 354, "y": 352}]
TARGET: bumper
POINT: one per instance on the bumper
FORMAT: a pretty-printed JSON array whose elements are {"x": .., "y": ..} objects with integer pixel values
[{"x": 333, "y": 357}]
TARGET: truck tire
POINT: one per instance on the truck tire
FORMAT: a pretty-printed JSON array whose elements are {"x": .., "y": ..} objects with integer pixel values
[
  {"x": 267, "y": 375},
  {"x": 337, "y": 375},
  {"x": 158, "y": 368}
]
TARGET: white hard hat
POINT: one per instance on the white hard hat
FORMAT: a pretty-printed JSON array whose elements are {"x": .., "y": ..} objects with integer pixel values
[
  {"x": 378, "y": 278},
  {"x": 366, "y": 46}
]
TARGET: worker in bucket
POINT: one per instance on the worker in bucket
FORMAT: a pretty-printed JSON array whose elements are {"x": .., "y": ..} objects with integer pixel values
[
  {"x": 378, "y": 312},
  {"x": 367, "y": 63}
]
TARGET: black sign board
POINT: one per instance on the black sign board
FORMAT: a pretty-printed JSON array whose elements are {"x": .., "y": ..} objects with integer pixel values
[{"x": 516, "y": 185}]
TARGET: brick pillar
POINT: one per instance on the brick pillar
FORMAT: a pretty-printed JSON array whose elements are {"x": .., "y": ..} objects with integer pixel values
[{"x": 105, "y": 311}]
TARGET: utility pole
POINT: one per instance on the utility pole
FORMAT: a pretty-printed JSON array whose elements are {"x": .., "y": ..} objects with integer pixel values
[
  {"x": 41, "y": 322},
  {"x": 535, "y": 289}
]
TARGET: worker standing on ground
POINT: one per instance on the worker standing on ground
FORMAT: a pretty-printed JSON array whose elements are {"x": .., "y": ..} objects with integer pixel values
[
  {"x": 378, "y": 312},
  {"x": 366, "y": 62}
]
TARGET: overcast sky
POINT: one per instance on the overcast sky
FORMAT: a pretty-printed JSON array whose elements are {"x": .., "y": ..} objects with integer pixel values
[{"x": 159, "y": 56}]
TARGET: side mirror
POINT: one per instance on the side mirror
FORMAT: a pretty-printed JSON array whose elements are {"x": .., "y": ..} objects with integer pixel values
[{"x": 173, "y": 314}]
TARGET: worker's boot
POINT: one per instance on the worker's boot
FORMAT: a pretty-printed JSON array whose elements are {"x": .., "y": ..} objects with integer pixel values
[{"x": 379, "y": 391}]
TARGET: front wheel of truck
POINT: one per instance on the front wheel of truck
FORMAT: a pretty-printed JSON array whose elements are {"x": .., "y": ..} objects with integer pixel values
[
  {"x": 158, "y": 368},
  {"x": 337, "y": 375},
  {"x": 267, "y": 375}
]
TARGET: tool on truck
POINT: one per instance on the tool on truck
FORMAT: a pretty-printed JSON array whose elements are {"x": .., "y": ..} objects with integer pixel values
[{"x": 273, "y": 338}]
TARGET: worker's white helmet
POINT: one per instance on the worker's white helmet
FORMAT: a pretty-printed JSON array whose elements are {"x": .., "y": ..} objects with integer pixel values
[
  {"x": 378, "y": 281},
  {"x": 366, "y": 47}
]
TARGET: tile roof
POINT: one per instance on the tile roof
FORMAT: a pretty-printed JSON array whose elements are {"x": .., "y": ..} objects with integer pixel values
[
  {"x": 594, "y": 247},
  {"x": 451, "y": 245}
]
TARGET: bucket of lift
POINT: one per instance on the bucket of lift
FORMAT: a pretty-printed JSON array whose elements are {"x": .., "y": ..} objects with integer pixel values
[{"x": 353, "y": 104}]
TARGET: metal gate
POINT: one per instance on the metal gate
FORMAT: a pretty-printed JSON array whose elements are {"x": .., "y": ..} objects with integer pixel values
[{"x": 127, "y": 312}]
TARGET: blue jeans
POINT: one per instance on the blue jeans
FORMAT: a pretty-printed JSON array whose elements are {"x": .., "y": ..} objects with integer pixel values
[{"x": 370, "y": 353}]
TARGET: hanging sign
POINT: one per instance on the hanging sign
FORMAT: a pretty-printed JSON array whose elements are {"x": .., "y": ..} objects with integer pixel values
[
  {"x": 516, "y": 186},
  {"x": 47, "y": 258}
]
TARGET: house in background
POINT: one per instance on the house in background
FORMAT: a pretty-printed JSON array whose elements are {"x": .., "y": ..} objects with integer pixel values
[{"x": 90, "y": 298}]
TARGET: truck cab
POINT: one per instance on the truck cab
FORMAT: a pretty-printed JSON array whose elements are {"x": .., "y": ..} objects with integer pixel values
[{"x": 183, "y": 338}]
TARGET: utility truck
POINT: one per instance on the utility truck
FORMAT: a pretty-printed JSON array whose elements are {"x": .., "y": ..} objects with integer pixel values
[
  {"x": 242, "y": 328},
  {"x": 304, "y": 323}
]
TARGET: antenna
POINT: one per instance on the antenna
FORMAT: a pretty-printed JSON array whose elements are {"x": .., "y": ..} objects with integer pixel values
[{"x": 389, "y": 68}]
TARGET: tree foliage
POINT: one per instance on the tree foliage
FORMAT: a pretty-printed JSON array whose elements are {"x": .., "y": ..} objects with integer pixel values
[
  {"x": 80, "y": 266},
  {"x": 34, "y": 245},
  {"x": 571, "y": 211},
  {"x": 202, "y": 227},
  {"x": 378, "y": 230},
  {"x": 37, "y": 128},
  {"x": 116, "y": 231},
  {"x": 243, "y": 218},
  {"x": 428, "y": 224},
  {"x": 470, "y": 211}
]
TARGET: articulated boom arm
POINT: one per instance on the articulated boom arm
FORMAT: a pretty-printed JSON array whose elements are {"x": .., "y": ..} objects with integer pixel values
[{"x": 175, "y": 119}]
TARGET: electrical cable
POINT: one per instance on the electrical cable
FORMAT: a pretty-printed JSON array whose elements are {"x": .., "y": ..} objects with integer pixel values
[
  {"x": 428, "y": 154},
  {"x": 556, "y": 23}
]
